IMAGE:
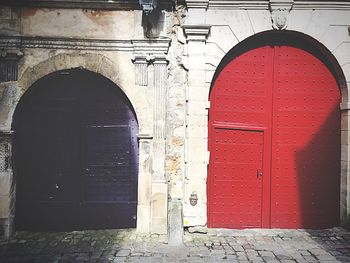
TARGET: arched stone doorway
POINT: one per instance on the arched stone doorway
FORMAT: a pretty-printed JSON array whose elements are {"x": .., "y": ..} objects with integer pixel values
[
  {"x": 274, "y": 137},
  {"x": 76, "y": 154}
]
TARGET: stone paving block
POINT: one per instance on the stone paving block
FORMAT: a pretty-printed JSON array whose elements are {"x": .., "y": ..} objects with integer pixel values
[
  {"x": 122, "y": 253},
  {"x": 243, "y": 248},
  {"x": 310, "y": 259},
  {"x": 237, "y": 248}
]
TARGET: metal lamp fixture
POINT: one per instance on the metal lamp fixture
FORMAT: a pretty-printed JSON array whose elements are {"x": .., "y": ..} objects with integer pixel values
[{"x": 148, "y": 5}]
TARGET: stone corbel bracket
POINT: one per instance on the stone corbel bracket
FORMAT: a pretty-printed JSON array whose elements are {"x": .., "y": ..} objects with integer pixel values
[
  {"x": 196, "y": 32},
  {"x": 279, "y": 13}
]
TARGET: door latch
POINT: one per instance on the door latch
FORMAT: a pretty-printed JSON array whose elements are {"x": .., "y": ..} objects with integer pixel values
[{"x": 259, "y": 173}]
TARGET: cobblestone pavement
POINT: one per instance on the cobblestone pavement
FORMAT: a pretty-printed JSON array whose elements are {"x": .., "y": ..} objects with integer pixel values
[{"x": 286, "y": 246}]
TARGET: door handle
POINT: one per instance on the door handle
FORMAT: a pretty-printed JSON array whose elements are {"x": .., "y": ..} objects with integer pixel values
[{"x": 259, "y": 173}]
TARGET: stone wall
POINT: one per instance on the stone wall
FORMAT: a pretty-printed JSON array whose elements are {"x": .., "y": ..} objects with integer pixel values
[
  {"x": 110, "y": 43},
  {"x": 212, "y": 29},
  {"x": 165, "y": 64}
]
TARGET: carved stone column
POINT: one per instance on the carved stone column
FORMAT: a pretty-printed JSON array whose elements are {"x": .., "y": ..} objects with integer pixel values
[{"x": 7, "y": 186}]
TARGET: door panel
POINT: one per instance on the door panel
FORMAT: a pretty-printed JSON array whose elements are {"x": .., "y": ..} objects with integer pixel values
[
  {"x": 108, "y": 186},
  {"x": 76, "y": 154},
  {"x": 293, "y": 97},
  {"x": 236, "y": 182},
  {"x": 305, "y": 142}
]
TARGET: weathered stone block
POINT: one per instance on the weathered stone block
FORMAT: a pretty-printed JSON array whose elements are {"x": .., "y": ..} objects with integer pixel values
[
  {"x": 196, "y": 77},
  {"x": 217, "y": 33},
  {"x": 159, "y": 208},
  {"x": 196, "y": 149},
  {"x": 298, "y": 19},
  {"x": 199, "y": 93},
  {"x": 175, "y": 223},
  {"x": 345, "y": 121},
  {"x": 144, "y": 213},
  {"x": 342, "y": 52},
  {"x": 197, "y": 131},
  {"x": 5, "y": 206},
  {"x": 345, "y": 137},
  {"x": 345, "y": 153},
  {"x": 144, "y": 185},
  {"x": 197, "y": 108},
  {"x": 5, "y": 183}
]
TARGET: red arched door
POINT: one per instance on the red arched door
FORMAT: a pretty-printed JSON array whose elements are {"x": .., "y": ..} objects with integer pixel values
[{"x": 274, "y": 139}]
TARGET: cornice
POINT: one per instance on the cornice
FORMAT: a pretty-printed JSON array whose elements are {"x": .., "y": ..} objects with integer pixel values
[
  {"x": 264, "y": 5},
  {"x": 144, "y": 46},
  {"x": 331, "y": 5},
  {"x": 94, "y": 4},
  {"x": 65, "y": 43}
]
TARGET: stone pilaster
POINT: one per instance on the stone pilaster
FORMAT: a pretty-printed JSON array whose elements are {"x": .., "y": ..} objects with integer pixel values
[
  {"x": 151, "y": 72},
  {"x": 345, "y": 163},
  {"x": 159, "y": 185},
  {"x": 141, "y": 65},
  {"x": 144, "y": 183},
  {"x": 196, "y": 150},
  {"x": 9, "y": 58},
  {"x": 160, "y": 77},
  {"x": 7, "y": 187}
]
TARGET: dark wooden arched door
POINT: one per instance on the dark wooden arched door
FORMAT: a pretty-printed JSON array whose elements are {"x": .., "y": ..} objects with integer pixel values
[
  {"x": 274, "y": 141},
  {"x": 76, "y": 154}
]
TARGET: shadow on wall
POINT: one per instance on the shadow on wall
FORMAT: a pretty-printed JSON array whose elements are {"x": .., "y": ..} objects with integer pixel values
[
  {"x": 318, "y": 175},
  {"x": 306, "y": 193}
]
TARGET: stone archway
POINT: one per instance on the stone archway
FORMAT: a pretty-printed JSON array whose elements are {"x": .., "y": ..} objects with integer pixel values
[
  {"x": 106, "y": 67},
  {"x": 274, "y": 138},
  {"x": 76, "y": 154},
  {"x": 314, "y": 47}
]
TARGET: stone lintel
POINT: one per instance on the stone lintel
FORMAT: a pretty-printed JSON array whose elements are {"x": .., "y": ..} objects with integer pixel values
[{"x": 196, "y": 32}]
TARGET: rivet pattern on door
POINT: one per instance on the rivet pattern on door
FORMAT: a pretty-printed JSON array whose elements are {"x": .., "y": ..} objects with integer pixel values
[{"x": 288, "y": 99}]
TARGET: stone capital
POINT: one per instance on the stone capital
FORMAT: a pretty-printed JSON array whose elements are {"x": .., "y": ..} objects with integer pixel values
[
  {"x": 151, "y": 46},
  {"x": 197, "y": 3},
  {"x": 196, "y": 32},
  {"x": 159, "y": 59},
  {"x": 140, "y": 59}
]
